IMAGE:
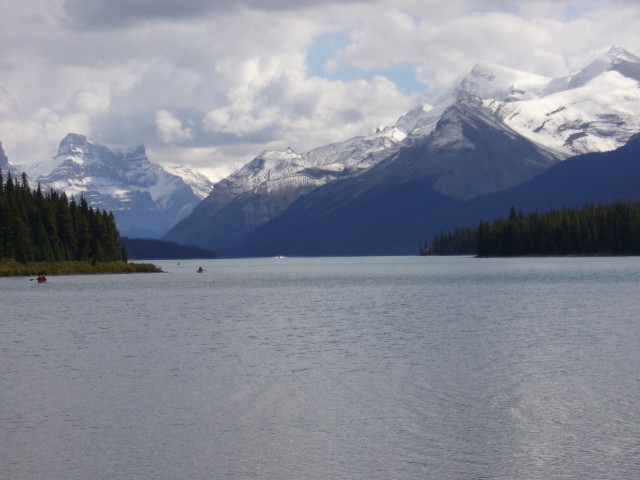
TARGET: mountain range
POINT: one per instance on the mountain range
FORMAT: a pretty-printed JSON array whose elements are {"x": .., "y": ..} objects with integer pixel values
[
  {"x": 484, "y": 146},
  {"x": 394, "y": 219},
  {"x": 145, "y": 198},
  {"x": 438, "y": 167}
]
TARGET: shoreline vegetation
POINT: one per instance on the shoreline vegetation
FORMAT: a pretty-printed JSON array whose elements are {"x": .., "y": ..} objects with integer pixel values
[
  {"x": 12, "y": 268},
  {"x": 591, "y": 231},
  {"x": 46, "y": 233}
]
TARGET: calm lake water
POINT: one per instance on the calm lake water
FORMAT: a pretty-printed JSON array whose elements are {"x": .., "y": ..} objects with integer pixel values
[{"x": 334, "y": 368}]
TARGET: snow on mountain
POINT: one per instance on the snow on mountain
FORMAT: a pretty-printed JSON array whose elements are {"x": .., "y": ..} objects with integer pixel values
[
  {"x": 594, "y": 110},
  {"x": 484, "y": 81},
  {"x": 145, "y": 198},
  {"x": 274, "y": 169},
  {"x": 83, "y": 166},
  {"x": 616, "y": 59},
  {"x": 501, "y": 83},
  {"x": 199, "y": 183},
  {"x": 467, "y": 152},
  {"x": 269, "y": 183},
  {"x": 498, "y": 127},
  {"x": 422, "y": 120},
  {"x": 590, "y": 110}
]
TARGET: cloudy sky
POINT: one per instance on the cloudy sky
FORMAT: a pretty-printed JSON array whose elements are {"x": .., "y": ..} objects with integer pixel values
[{"x": 212, "y": 83}]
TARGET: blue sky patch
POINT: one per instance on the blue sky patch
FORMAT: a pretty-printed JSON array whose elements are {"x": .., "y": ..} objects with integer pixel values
[
  {"x": 576, "y": 11},
  {"x": 328, "y": 46}
]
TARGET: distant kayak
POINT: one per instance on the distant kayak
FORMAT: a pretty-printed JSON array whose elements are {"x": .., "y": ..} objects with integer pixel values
[{"x": 42, "y": 279}]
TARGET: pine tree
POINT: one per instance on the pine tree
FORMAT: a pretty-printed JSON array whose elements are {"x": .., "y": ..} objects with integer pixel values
[{"x": 48, "y": 227}]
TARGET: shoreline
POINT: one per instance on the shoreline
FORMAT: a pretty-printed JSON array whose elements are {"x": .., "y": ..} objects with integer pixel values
[{"x": 11, "y": 268}]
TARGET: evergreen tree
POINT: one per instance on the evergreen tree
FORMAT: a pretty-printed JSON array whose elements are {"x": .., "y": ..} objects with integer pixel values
[
  {"x": 35, "y": 226},
  {"x": 595, "y": 229},
  {"x": 612, "y": 229},
  {"x": 9, "y": 185}
]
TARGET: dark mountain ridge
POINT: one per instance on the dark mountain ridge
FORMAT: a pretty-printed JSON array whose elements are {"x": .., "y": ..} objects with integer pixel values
[
  {"x": 498, "y": 128},
  {"x": 394, "y": 219}
]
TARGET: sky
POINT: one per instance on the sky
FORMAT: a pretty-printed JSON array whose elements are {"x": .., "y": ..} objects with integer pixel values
[{"x": 212, "y": 83}]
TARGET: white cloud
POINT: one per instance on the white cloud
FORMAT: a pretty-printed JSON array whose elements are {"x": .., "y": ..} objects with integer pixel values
[
  {"x": 212, "y": 83},
  {"x": 8, "y": 103},
  {"x": 38, "y": 137},
  {"x": 275, "y": 101},
  {"x": 92, "y": 98},
  {"x": 170, "y": 128}
]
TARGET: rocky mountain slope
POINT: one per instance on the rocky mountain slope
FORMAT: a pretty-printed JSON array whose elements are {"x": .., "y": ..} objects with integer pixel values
[
  {"x": 267, "y": 185},
  {"x": 498, "y": 128},
  {"x": 593, "y": 110},
  {"x": 396, "y": 219},
  {"x": 146, "y": 199}
]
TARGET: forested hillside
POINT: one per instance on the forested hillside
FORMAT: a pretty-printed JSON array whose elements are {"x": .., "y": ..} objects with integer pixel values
[
  {"x": 460, "y": 241},
  {"x": 48, "y": 227},
  {"x": 610, "y": 229}
]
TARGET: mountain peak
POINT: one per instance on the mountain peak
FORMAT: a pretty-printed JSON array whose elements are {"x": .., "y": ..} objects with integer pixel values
[
  {"x": 199, "y": 182},
  {"x": 504, "y": 84},
  {"x": 288, "y": 152},
  {"x": 75, "y": 139},
  {"x": 500, "y": 127},
  {"x": 618, "y": 54},
  {"x": 81, "y": 148},
  {"x": 145, "y": 198},
  {"x": 616, "y": 59},
  {"x": 501, "y": 83},
  {"x": 4, "y": 161},
  {"x": 75, "y": 144}
]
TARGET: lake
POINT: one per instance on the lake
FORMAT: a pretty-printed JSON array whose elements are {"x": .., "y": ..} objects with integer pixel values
[{"x": 325, "y": 368}]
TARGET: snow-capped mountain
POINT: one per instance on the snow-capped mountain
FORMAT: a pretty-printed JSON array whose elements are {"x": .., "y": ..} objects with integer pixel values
[
  {"x": 274, "y": 170},
  {"x": 199, "y": 183},
  {"x": 268, "y": 184},
  {"x": 393, "y": 219},
  {"x": 594, "y": 110},
  {"x": 145, "y": 199},
  {"x": 499, "y": 127}
]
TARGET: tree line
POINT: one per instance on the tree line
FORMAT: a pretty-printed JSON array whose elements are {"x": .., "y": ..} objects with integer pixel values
[
  {"x": 611, "y": 229},
  {"x": 37, "y": 226},
  {"x": 460, "y": 241}
]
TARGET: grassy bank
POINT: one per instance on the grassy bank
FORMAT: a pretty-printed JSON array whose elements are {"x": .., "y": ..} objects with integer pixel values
[{"x": 11, "y": 268}]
